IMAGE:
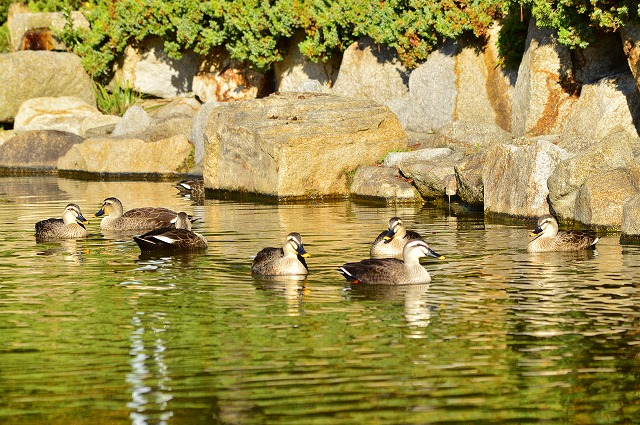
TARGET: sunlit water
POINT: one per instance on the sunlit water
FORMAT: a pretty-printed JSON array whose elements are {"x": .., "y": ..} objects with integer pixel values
[{"x": 93, "y": 333}]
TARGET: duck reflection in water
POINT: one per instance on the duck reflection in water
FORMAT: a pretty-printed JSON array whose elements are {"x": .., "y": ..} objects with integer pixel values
[{"x": 418, "y": 308}]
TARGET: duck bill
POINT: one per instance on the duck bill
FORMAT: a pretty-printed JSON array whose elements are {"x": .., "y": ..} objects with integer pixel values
[
  {"x": 99, "y": 213},
  {"x": 80, "y": 219},
  {"x": 389, "y": 236},
  {"x": 301, "y": 252},
  {"x": 535, "y": 231},
  {"x": 434, "y": 254}
]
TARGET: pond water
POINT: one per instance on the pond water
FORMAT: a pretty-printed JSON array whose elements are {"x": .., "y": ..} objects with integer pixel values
[{"x": 94, "y": 333}]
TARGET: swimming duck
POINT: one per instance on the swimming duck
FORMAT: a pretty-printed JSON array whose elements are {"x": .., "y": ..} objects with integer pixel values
[
  {"x": 180, "y": 238},
  {"x": 550, "y": 239},
  {"x": 392, "y": 271},
  {"x": 192, "y": 187},
  {"x": 145, "y": 218},
  {"x": 389, "y": 244},
  {"x": 288, "y": 260},
  {"x": 71, "y": 225}
]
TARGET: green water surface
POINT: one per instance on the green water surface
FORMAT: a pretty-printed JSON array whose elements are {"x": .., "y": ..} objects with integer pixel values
[{"x": 94, "y": 333}]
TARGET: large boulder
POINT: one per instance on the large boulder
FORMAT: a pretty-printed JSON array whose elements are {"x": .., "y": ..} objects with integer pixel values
[
  {"x": 429, "y": 169},
  {"x": 36, "y": 150},
  {"x": 181, "y": 107},
  {"x": 219, "y": 78},
  {"x": 66, "y": 113},
  {"x": 546, "y": 89},
  {"x": 431, "y": 101},
  {"x": 608, "y": 105},
  {"x": 30, "y": 74},
  {"x": 630, "y": 34},
  {"x": 36, "y": 31},
  {"x": 601, "y": 198},
  {"x": 468, "y": 173},
  {"x": 149, "y": 70},
  {"x": 134, "y": 120},
  {"x": 483, "y": 90},
  {"x": 613, "y": 151},
  {"x": 170, "y": 156},
  {"x": 631, "y": 218},
  {"x": 371, "y": 71},
  {"x": 603, "y": 58},
  {"x": 474, "y": 134},
  {"x": 458, "y": 82},
  {"x": 296, "y": 145},
  {"x": 384, "y": 184},
  {"x": 198, "y": 127},
  {"x": 298, "y": 73},
  {"x": 515, "y": 177}
]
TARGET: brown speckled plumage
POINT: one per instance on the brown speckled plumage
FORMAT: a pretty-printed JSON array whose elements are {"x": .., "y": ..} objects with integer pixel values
[
  {"x": 391, "y": 271},
  {"x": 549, "y": 239},
  {"x": 145, "y": 218},
  {"x": 389, "y": 244},
  {"x": 181, "y": 238},
  {"x": 288, "y": 260},
  {"x": 70, "y": 226}
]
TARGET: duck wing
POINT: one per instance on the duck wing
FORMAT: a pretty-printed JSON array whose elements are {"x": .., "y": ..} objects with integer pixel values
[
  {"x": 170, "y": 239},
  {"x": 373, "y": 270},
  {"x": 577, "y": 239},
  {"x": 157, "y": 213},
  {"x": 380, "y": 238},
  {"x": 48, "y": 224},
  {"x": 263, "y": 263}
]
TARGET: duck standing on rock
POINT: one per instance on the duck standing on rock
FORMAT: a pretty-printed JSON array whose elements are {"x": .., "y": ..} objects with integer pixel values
[
  {"x": 70, "y": 226},
  {"x": 548, "y": 238},
  {"x": 179, "y": 238},
  {"x": 146, "y": 218},
  {"x": 285, "y": 261},
  {"x": 392, "y": 271},
  {"x": 389, "y": 244}
]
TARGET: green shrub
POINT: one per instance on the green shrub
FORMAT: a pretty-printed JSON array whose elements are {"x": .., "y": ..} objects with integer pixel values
[
  {"x": 578, "y": 22},
  {"x": 255, "y": 30},
  {"x": 117, "y": 100},
  {"x": 5, "y": 43}
]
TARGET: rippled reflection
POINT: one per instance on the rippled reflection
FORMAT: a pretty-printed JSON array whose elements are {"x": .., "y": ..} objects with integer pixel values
[{"x": 93, "y": 331}]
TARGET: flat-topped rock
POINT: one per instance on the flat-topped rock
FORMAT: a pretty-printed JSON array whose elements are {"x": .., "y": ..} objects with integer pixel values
[
  {"x": 173, "y": 155},
  {"x": 296, "y": 145}
]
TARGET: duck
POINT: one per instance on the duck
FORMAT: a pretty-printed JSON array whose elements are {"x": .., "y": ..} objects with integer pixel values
[
  {"x": 146, "y": 218},
  {"x": 548, "y": 238},
  {"x": 390, "y": 243},
  {"x": 71, "y": 225},
  {"x": 392, "y": 271},
  {"x": 193, "y": 187},
  {"x": 178, "y": 238},
  {"x": 288, "y": 260}
]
